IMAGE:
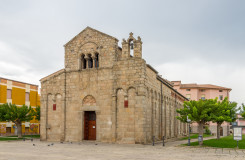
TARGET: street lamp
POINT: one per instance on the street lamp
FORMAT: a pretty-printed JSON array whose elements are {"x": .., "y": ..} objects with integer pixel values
[
  {"x": 189, "y": 139},
  {"x": 189, "y": 121}
]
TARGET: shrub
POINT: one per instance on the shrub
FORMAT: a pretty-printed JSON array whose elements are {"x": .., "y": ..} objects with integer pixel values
[{"x": 207, "y": 131}]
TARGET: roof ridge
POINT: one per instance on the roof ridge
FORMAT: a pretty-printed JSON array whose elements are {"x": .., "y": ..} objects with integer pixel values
[
  {"x": 93, "y": 30},
  {"x": 52, "y": 74}
]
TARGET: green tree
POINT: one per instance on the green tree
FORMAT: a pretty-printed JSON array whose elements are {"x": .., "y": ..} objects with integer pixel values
[
  {"x": 242, "y": 112},
  {"x": 37, "y": 113},
  {"x": 10, "y": 112},
  {"x": 223, "y": 111},
  {"x": 197, "y": 111},
  {"x": 3, "y": 112}
]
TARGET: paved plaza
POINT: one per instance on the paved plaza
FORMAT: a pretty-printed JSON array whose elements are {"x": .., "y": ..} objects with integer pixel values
[{"x": 25, "y": 150}]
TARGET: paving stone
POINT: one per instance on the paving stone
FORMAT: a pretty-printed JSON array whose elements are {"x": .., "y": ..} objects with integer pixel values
[{"x": 103, "y": 151}]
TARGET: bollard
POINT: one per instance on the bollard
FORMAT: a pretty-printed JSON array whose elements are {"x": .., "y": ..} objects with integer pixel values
[
  {"x": 153, "y": 140},
  {"x": 163, "y": 141},
  {"x": 31, "y": 137},
  {"x": 24, "y": 136}
]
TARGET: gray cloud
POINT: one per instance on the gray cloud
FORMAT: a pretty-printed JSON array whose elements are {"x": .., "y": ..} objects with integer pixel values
[{"x": 182, "y": 39}]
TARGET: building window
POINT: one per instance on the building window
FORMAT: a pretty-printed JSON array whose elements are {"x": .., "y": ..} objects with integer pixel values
[
  {"x": 221, "y": 97},
  {"x": 9, "y": 94},
  {"x": 188, "y": 89},
  {"x": 84, "y": 62},
  {"x": 220, "y": 90},
  {"x": 27, "y": 97},
  {"x": 188, "y": 96},
  {"x": 131, "y": 49},
  {"x": 90, "y": 61},
  {"x": 203, "y": 97},
  {"x": 96, "y": 60},
  {"x": 202, "y": 90}
]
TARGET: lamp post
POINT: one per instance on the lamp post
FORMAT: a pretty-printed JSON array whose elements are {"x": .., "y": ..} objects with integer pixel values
[{"x": 189, "y": 139}]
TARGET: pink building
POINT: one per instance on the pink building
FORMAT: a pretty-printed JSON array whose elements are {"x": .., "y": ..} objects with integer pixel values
[
  {"x": 201, "y": 91},
  {"x": 241, "y": 122},
  {"x": 195, "y": 91}
]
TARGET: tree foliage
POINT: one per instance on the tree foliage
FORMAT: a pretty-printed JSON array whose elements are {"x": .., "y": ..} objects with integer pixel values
[
  {"x": 14, "y": 113},
  {"x": 11, "y": 112},
  {"x": 197, "y": 111},
  {"x": 242, "y": 112},
  {"x": 37, "y": 113},
  {"x": 203, "y": 111},
  {"x": 223, "y": 111},
  {"x": 3, "y": 112}
]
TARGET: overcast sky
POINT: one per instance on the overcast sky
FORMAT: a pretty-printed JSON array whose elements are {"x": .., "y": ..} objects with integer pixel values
[{"x": 195, "y": 41}]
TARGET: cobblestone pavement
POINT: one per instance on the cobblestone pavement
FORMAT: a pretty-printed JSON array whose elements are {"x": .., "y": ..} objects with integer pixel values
[{"x": 20, "y": 150}]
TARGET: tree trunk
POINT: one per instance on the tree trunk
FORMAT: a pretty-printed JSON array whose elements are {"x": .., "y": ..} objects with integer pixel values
[
  {"x": 218, "y": 130},
  {"x": 200, "y": 131},
  {"x": 19, "y": 129}
]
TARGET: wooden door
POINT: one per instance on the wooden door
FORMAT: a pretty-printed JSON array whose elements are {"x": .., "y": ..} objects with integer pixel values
[
  {"x": 221, "y": 131},
  {"x": 89, "y": 125}
]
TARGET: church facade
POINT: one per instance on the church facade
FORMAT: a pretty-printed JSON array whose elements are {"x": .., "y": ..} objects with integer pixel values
[{"x": 108, "y": 94}]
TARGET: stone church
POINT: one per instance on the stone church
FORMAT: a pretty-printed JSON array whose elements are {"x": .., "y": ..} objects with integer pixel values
[{"x": 108, "y": 93}]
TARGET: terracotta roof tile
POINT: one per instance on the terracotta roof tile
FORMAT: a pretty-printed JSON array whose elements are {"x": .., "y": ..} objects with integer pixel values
[{"x": 209, "y": 86}]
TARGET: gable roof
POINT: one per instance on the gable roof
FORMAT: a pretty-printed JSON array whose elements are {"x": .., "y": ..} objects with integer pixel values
[
  {"x": 1, "y": 78},
  {"x": 90, "y": 29},
  {"x": 208, "y": 86}
]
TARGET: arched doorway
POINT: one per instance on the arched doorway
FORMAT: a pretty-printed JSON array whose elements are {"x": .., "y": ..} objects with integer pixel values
[{"x": 89, "y": 120}]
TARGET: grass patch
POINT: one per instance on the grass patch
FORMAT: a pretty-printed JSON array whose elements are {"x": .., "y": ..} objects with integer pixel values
[
  {"x": 33, "y": 136},
  {"x": 13, "y": 138},
  {"x": 9, "y": 139},
  {"x": 195, "y": 136},
  {"x": 225, "y": 142}
]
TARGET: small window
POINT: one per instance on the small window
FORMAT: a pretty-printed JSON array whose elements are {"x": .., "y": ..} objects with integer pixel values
[
  {"x": 9, "y": 94},
  {"x": 84, "y": 62},
  {"x": 188, "y": 89},
  {"x": 203, "y": 97},
  {"x": 188, "y": 96},
  {"x": 96, "y": 60},
  {"x": 202, "y": 90},
  {"x": 90, "y": 61},
  {"x": 27, "y": 97},
  {"x": 131, "y": 45},
  {"x": 220, "y": 90},
  {"x": 221, "y": 97}
]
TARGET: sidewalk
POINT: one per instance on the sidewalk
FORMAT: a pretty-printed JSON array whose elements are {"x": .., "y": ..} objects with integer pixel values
[{"x": 179, "y": 142}]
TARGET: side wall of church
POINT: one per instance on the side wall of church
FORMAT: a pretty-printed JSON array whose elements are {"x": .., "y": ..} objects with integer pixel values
[
  {"x": 52, "y": 117},
  {"x": 161, "y": 112}
]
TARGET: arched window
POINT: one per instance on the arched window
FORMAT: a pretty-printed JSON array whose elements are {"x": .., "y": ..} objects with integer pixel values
[
  {"x": 131, "y": 48},
  {"x": 84, "y": 62},
  {"x": 90, "y": 61},
  {"x": 96, "y": 60}
]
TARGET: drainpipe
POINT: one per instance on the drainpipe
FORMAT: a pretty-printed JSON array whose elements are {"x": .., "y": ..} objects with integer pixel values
[
  {"x": 47, "y": 118},
  {"x": 176, "y": 127},
  {"x": 65, "y": 107},
  {"x": 161, "y": 112}
]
